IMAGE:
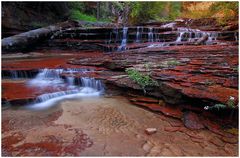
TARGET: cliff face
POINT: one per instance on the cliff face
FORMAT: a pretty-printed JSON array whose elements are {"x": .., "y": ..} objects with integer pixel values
[{"x": 23, "y": 16}]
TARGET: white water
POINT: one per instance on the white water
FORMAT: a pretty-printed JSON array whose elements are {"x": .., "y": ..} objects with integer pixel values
[
  {"x": 15, "y": 74},
  {"x": 150, "y": 34},
  {"x": 139, "y": 34},
  {"x": 124, "y": 40},
  {"x": 88, "y": 87},
  {"x": 192, "y": 35},
  {"x": 187, "y": 35},
  {"x": 50, "y": 99}
]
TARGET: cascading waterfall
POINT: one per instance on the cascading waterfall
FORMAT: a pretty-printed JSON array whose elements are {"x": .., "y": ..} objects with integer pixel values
[
  {"x": 139, "y": 34},
  {"x": 17, "y": 74},
  {"x": 110, "y": 38},
  {"x": 86, "y": 87},
  {"x": 180, "y": 36},
  {"x": 187, "y": 35},
  {"x": 115, "y": 31},
  {"x": 236, "y": 36},
  {"x": 47, "y": 77},
  {"x": 150, "y": 34},
  {"x": 192, "y": 35},
  {"x": 124, "y": 40},
  {"x": 91, "y": 83}
]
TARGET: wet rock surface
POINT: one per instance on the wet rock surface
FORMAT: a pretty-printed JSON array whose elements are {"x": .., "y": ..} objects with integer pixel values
[
  {"x": 192, "y": 121},
  {"x": 99, "y": 126},
  {"x": 190, "y": 80},
  {"x": 204, "y": 72}
]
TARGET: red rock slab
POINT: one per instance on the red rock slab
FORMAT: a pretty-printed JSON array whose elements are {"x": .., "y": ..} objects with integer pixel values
[
  {"x": 232, "y": 83},
  {"x": 191, "y": 107},
  {"x": 193, "y": 134},
  {"x": 9, "y": 141},
  {"x": 50, "y": 61},
  {"x": 35, "y": 64},
  {"x": 166, "y": 110},
  {"x": 19, "y": 91},
  {"x": 205, "y": 78},
  {"x": 233, "y": 140},
  {"x": 83, "y": 67},
  {"x": 171, "y": 129},
  {"x": 215, "y": 92},
  {"x": 144, "y": 99},
  {"x": 170, "y": 75},
  {"x": 175, "y": 123},
  {"x": 196, "y": 140},
  {"x": 218, "y": 142}
]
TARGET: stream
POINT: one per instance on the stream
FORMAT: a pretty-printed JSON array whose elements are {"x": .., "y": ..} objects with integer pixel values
[{"x": 71, "y": 96}]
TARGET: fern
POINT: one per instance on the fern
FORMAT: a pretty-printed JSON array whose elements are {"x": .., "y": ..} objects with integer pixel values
[{"x": 141, "y": 79}]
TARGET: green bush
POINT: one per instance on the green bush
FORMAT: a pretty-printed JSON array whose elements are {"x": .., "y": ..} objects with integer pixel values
[
  {"x": 141, "y": 79},
  {"x": 77, "y": 15},
  {"x": 156, "y": 11}
]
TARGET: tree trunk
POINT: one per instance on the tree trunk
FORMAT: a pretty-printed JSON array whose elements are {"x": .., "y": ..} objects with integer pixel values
[
  {"x": 27, "y": 39},
  {"x": 98, "y": 10}
]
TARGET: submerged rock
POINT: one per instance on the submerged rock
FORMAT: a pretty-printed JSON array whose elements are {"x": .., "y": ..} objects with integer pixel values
[
  {"x": 192, "y": 121},
  {"x": 150, "y": 131}
]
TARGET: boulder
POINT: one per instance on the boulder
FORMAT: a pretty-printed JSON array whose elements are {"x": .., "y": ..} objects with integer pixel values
[{"x": 192, "y": 121}]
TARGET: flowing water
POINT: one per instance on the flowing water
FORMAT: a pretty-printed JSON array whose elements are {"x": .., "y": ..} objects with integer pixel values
[
  {"x": 150, "y": 34},
  {"x": 188, "y": 35},
  {"x": 139, "y": 34},
  {"x": 75, "y": 87},
  {"x": 124, "y": 39},
  {"x": 192, "y": 35}
]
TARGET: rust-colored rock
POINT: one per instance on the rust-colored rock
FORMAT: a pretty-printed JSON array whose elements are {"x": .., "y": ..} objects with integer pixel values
[
  {"x": 192, "y": 121},
  {"x": 171, "y": 129},
  {"x": 216, "y": 141}
]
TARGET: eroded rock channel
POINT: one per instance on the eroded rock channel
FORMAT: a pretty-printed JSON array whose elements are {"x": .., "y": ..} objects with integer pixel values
[{"x": 73, "y": 94}]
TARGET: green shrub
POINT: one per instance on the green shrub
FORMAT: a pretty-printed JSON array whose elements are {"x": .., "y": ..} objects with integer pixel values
[
  {"x": 154, "y": 11},
  {"x": 141, "y": 79},
  {"x": 230, "y": 104},
  {"x": 77, "y": 15}
]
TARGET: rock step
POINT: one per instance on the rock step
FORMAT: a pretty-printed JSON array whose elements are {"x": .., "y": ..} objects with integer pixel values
[
  {"x": 166, "y": 110},
  {"x": 113, "y": 29},
  {"x": 144, "y": 99}
]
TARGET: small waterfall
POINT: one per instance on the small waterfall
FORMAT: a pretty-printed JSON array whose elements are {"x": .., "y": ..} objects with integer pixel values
[
  {"x": 180, "y": 36},
  {"x": 192, "y": 35},
  {"x": 211, "y": 37},
  {"x": 18, "y": 74},
  {"x": 110, "y": 38},
  {"x": 51, "y": 77},
  {"x": 85, "y": 87},
  {"x": 150, "y": 34},
  {"x": 236, "y": 36},
  {"x": 15, "y": 74},
  {"x": 139, "y": 34},
  {"x": 92, "y": 83},
  {"x": 47, "y": 77},
  {"x": 70, "y": 80},
  {"x": 124, "y": 40},
  {"x": 45, "y": 97},
  {"x": 115, "y": 31},
  {"x": 48, "y": 100}
]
